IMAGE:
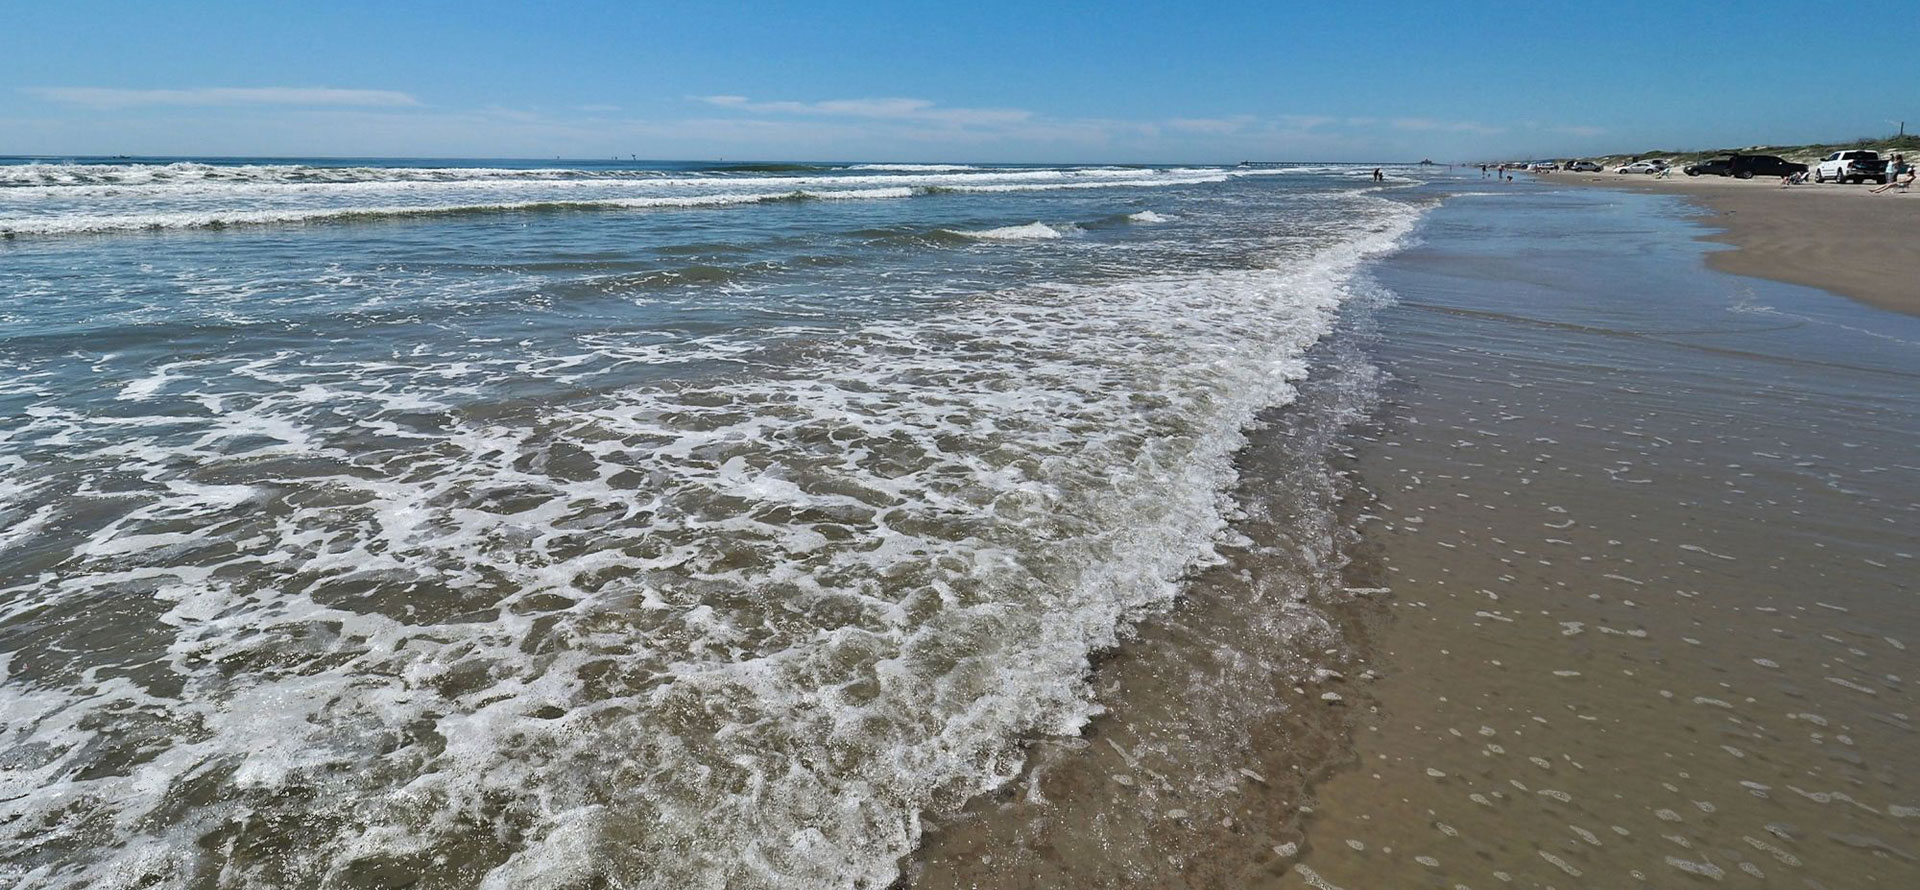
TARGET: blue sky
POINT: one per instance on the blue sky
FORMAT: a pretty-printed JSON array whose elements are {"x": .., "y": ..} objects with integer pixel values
[{"x": 978, "y": 81}]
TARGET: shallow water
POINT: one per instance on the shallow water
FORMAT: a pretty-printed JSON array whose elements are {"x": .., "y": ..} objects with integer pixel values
[
  {"x": 373, "y": 525},
  {"x": 1215, "y": 715}
]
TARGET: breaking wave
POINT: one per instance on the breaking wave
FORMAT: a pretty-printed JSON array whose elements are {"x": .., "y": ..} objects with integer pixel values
[
  {"x": 1034, "y": 231},
  {"x": 914, "y": 168},
  {"x": 55, "y": 199},
  {"x": 216, "y": 219}
]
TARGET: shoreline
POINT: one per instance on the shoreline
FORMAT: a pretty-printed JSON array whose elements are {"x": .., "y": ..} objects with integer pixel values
[
  {"x": 1838, "y": 238},
  {"x": 1582, "y": 542},
  {"x": 1215, "y": 720}
]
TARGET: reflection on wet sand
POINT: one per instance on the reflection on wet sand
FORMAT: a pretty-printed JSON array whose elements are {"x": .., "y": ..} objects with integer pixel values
[{"x": 1653, "y": 617}]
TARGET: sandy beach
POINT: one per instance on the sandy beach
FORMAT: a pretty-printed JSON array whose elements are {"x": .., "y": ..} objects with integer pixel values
[
  {"x": 1839, "y": 238},
  {"x": 1615, "y": 591}
]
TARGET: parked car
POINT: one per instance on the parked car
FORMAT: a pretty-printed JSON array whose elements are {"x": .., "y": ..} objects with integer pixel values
[
  {"x": 1650, "y": 165},
  {"x": 1543, "y": 166},
  {"x": 1710, "y": 167},
  {"x": 1749, "y": 166},
  {"x": 1584, "y": 167},
  {"x": 1852, "y": 165},
  {"x": 1746, "y": 167}
]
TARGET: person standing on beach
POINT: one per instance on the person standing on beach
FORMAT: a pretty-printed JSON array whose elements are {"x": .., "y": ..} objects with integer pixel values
[{"x": 1895, "y": 169}]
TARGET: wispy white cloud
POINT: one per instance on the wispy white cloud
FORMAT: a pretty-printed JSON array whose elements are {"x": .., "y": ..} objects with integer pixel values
[
  {"x": 105, "y": 97},
  {"x": 320, "y": 120},
  {"x": 882, "y": 109},
  {"x": 1213, "y": 126},
  {"x": 1428, "y": 124},
  {"x": 920, "y": 121},
  {"x": 1305, "y": 121}
]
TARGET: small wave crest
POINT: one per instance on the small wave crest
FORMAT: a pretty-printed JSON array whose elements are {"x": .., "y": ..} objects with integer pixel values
[
  {"x": 913, "y": 168},
  {"x": 768, "y": 168},
  {"x": 1033, "y": 231},
  {"x": 194, "y": 172},
  {"x": 220, "y": 219}
]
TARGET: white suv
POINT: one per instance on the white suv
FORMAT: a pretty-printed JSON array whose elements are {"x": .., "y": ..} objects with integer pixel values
[{"x": 1853, "y": 165}]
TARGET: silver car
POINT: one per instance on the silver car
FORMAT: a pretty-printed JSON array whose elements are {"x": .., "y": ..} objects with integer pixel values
[{"x": 1646, "y": 166}]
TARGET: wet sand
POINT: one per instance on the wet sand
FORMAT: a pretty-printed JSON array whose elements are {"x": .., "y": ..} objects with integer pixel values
[
  {"x": 1217, "y": 719},
  {"x": 1608, "y": 582},
  {"x": 1651, "y": 542},
  {"x": 1840, "y": 238}
]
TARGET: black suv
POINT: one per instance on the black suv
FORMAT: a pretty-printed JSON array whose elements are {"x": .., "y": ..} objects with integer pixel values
[{"x": 1746, "y": 167}]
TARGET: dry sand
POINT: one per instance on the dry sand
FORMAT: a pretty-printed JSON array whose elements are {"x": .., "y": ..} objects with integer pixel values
[{"x": 1839, "y": 238}]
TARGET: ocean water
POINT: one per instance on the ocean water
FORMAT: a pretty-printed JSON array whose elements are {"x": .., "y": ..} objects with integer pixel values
[{"x": 369, "y": 524}]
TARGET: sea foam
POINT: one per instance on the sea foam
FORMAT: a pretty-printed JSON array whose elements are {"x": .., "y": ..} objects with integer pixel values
[{"x": 1033, "y": 231}]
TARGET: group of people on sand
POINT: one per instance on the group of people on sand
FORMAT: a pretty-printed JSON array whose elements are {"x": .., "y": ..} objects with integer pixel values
[{"x": 1900, "y": 176}]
